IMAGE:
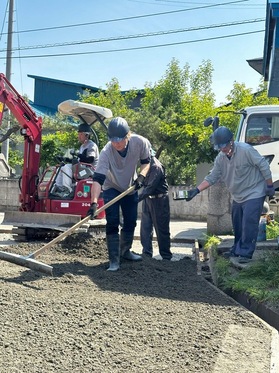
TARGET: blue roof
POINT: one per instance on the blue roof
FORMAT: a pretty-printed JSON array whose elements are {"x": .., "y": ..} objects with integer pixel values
[
  {"x": 84, "y": 86},
  {"x": 42, "y": 111},
  {"x": 49, "y": 93}
]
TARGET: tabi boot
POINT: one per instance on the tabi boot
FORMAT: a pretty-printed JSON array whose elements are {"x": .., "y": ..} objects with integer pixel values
[
  {"x": 114, "y": 252},
  {"x": 126, "y": 241}
]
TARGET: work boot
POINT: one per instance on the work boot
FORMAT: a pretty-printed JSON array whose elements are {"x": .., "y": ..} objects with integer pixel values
[
  {"x": 126, "y": 240},
  {"x": 114, "y": 252}
]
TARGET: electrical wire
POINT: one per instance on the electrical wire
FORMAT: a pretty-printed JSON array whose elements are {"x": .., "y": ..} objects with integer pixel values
[
  {"x": 140, "y": 48},
  {"x": 4, "y": 20},
  {"x": 132, "y": 17},
  {"x": 137, "y": 36}
]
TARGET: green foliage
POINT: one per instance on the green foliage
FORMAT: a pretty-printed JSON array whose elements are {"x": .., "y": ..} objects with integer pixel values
[
  {"x": 172, "y": 115},
  {"x": 58, "y": 135},
  {"x": 223, "y": 271},
  {"x": 272, "y": 230},
  {"x": 15, "y": 158},
  {"x": 57, "y": 144},
  {"x": 211, "y": 241},
  {"x": 241, "y": 97},
  {"x": 117, "y": 101},
  {"x": 259, "y": 280}
]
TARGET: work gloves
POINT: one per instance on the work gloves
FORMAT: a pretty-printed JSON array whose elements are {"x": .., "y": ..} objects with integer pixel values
[
  {"x": 92, "y": 211},
  {"x": 138, "y": 183},
  {"x": 270, "y": 191},
  {"x": 191, "y": 194}
]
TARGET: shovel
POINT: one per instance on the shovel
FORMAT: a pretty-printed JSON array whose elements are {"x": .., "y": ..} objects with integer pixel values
[{"x": 29, "y": 260}]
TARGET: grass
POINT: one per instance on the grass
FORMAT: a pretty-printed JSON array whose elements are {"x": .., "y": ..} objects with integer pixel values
[{"x": 259, "y": 280}]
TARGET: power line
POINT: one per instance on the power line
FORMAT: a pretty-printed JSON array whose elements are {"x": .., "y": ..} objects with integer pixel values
[
  {"x": 137, "y": 36},
  {"x": 4, "y": 19},
  {"x": 138, "y": 48},
  {"x": 132, "y": 17}
]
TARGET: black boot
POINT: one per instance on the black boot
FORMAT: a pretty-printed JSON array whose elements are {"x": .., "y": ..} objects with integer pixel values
[
  {"x": 113, "y": 251},
  {"x": 126, "y": 241}
]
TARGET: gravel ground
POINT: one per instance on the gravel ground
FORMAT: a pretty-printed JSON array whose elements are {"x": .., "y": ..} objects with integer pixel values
[{"x": 151, "y": 316}]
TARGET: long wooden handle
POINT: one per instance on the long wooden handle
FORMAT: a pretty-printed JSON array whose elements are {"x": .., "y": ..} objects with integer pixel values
[{"x": 78, "y": 224}]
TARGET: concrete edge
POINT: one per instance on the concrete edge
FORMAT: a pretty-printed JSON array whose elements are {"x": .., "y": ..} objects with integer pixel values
[
  {"x": 173, "y": 240},
  {"x": 274, "y": 345},
  {"x": 274, "y": 359}
]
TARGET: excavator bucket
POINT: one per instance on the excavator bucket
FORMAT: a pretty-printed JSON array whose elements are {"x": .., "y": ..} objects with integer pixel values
[
  {"x": 60, "y": 222},
  {"x": 21, "y": 222}
]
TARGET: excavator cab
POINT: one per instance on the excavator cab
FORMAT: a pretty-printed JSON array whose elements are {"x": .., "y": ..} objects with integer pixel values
[{"x": 78, "y": 201}]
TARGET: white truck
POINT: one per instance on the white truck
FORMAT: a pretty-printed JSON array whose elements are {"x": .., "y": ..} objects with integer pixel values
[{"x": 259, "y": 127}]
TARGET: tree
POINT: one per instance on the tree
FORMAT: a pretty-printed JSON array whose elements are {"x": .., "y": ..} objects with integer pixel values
[
  {"x": 172, "y": 116},
  {"x": 114, "y": 99},
  {"x": 240, "y": 97},
  {"x": 55, "y": 144},
  {"x": 57, "y": 136}
]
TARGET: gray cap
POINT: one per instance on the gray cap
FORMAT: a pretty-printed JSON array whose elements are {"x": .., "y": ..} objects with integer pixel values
[
  {"x": 118, "y": 129},
  {"x": 221, "y": 137}
]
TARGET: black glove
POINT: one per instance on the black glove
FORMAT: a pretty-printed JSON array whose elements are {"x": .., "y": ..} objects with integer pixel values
[
  {"x": 60, "y": 158},
  {"x": 139, "y": 182},
  {"x": 192, "y": 193},
  {"x": 270, "y": 190},
  {"x": 92, "y": 211}
]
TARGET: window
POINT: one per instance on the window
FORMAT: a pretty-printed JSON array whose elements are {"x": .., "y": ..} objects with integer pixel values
[{"x": 262, "y": 129}]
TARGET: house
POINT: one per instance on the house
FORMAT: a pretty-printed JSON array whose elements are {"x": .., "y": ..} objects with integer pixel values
[
  {"x": 271, "y": 48},
  {"x": 268, "y": 65},
  {"x": 48, "y": 93}
]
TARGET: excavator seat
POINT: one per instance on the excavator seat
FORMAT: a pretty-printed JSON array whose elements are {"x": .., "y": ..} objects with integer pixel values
[{"x": 82, "y": 171}]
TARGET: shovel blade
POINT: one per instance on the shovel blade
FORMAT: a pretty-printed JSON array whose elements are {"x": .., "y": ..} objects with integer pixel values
[{"x": 26, "y": 262}]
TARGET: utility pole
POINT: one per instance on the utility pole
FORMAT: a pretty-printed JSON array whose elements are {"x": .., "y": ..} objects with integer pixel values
[{"x": 5, "y": 144}]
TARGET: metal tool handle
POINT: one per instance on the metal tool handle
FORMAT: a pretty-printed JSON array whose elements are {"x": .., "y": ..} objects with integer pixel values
[{"x": 78, "y": 224}]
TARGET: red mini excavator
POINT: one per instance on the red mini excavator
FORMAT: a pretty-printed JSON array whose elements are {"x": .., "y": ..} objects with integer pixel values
[{"x": 41, "y": 212}]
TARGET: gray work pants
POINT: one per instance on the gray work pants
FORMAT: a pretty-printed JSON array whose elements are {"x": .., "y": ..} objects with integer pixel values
[{"x": 156, "y": 213}]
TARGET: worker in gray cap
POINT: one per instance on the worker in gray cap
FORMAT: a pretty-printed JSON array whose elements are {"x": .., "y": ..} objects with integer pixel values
[
  {"x": 115, "y": 173},
  {"x": 248, "y": 178}
]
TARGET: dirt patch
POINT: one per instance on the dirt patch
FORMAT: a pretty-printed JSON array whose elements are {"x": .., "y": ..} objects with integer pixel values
[{"x": 151, "y": 316}]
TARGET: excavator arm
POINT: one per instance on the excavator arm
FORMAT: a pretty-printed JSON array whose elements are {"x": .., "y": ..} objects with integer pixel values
[{"x": 31, "y": 130}]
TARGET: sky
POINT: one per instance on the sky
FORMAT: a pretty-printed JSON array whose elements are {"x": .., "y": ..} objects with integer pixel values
[{"x": 92, "y": 42}]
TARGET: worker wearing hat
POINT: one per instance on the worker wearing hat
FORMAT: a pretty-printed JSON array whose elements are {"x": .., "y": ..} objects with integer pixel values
[
  {"x": 248, "y": 178},
  {"x": 115, "y": 173},
  {"x": 88, "y": 153}
]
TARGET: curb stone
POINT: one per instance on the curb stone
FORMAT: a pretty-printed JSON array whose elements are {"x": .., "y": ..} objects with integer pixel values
[{"x": 274, "y": 345}]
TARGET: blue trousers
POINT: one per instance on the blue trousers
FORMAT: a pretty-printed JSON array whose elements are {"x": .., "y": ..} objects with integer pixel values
[
  {"x": 129, "y": 209},
  {"x": 245, "y": 220}
]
